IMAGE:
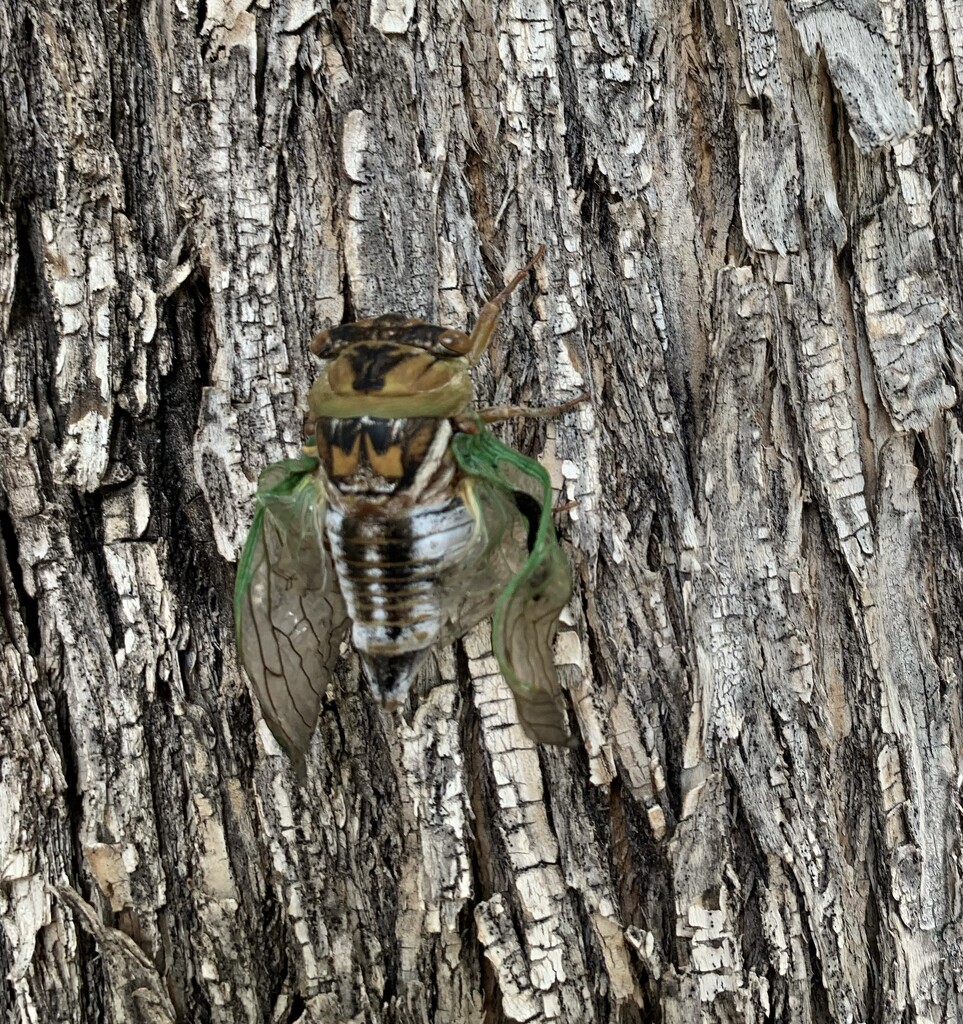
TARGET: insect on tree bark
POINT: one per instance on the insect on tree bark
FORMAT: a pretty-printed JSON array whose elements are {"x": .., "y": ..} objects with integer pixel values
[
  {"x": 408, "y": 522},
  {"x": 750, "y": 212}
]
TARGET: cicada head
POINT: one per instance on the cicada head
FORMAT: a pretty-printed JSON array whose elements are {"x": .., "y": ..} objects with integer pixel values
[
  {"x": 395, "y": 367},
  {"x": 392, "y": 367}
]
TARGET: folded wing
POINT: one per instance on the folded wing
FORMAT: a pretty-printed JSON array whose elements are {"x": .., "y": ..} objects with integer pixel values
[
  {"x": 288, "y": 610},
  {"x": 527, "y": 577}
]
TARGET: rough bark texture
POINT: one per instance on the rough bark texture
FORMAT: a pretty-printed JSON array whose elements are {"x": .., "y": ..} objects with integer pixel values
[{"x": 752, "y": 210}]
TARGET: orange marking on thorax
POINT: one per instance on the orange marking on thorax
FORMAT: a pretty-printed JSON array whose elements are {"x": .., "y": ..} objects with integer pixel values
[
  {"x": 345, "y": 463},
  {"x": 387, "y": 464}
]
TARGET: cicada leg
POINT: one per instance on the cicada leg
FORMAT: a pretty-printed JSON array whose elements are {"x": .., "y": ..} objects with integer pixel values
[
  {"x": 469, "y": 423},
  {"x": 473, "y": 345},
  {"x": 508, "y": 412}
]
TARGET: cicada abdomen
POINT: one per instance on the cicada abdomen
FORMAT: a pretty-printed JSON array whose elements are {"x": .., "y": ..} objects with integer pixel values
[{"x": 418, "y": 524}]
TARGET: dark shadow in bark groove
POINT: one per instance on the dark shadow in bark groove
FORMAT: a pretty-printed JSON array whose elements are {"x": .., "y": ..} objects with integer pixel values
[
  {"x": 481, "y": 845},
  {"x": 165, "y": 754},
  {"x": 641, "y": 872},
  {"x": 19, "y": 599}
]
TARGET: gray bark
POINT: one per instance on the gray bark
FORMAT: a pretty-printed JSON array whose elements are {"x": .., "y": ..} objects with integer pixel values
[{"x": 752, "y": 215}]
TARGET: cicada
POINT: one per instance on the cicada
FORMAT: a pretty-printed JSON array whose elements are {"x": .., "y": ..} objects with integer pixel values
[{"x": 406, "y": 521}]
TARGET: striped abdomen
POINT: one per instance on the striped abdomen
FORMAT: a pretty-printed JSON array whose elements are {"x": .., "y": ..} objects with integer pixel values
[{"x": 390, "y": 569}]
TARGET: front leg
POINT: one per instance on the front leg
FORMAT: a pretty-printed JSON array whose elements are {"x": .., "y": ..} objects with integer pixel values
[
  {"x": 473, "y": 345},
  {"x": 508, "y": 412}
]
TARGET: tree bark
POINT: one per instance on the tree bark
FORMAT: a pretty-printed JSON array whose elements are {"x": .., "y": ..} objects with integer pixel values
[{"x": 752, "y": 215}]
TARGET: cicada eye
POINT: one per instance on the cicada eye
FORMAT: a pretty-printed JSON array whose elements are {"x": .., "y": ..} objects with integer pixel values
[
  {"x": 319, "y": 341},
  {"x": 456, "y": 342}
]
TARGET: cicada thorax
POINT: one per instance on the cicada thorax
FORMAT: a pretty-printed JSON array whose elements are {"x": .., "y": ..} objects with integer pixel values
[
  {"x": 397, "y": 521},
  {"x": 378, "y": 461}
]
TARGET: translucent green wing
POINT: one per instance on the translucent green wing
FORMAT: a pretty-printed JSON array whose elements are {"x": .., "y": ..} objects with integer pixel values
[
  {"x": 288, "y": 610},
  {"x": 510, "y": 489},
  {"x": 498, "y": 552}
]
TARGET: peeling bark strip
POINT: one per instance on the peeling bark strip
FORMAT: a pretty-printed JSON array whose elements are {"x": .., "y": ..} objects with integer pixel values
[{"x": 751, "y": 211}]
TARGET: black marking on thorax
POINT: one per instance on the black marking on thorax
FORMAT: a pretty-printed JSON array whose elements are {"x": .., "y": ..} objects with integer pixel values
[
  {"x": 368, "y": 455},
  {"x": 372, "y": 361}
]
